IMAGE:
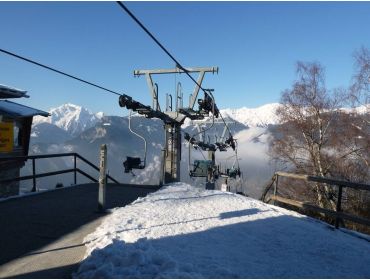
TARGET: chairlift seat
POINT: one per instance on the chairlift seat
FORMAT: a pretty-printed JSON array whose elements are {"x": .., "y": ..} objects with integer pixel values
[
  {"x": 221, "y": 146},
  {"x": 201, "y": 168},
  {"x": 132, "y": 163},
  {"x": 232, "y": 173}
]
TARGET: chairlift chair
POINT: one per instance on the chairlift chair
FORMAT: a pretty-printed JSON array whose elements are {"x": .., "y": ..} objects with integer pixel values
[
  {"x": 233, "y": 172},
  {"x": 200, "y": 168},
  {"x": 135, "y": 162}
]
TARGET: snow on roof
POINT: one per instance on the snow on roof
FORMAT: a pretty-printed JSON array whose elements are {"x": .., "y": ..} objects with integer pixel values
[
  {"x": 10, "y": 92},
  {"x": 184, "y": 232},
  {"x": 18, "y": 110}
]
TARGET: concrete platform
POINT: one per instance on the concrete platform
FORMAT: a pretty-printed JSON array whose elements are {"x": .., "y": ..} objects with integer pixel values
[{"x": 41, "y": 236}]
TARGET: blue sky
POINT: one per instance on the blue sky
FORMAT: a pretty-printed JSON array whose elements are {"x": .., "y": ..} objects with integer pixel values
[{"x": 255, "y": 45}]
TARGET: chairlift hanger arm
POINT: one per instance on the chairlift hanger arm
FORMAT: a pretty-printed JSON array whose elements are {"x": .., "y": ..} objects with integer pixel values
[
  {"x": 200, "y": 132},
  {"x": 140, "y": 136},
  {"x": 213, "y": 118},
  {"x": 135, "y": 162},
  {"x": 223, "y": 134}
]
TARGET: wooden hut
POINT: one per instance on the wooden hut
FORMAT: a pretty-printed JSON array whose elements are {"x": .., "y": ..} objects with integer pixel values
[{"x": 15, "y": 132}]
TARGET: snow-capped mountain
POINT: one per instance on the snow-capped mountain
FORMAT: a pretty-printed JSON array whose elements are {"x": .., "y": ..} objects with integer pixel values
[
  {"x": 266, "y": 114},
  {"x": 72, "y": 118},
  {"x": 254, "y": 117}
]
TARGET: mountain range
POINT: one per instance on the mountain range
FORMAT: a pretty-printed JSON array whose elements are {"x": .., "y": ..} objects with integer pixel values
[
  {"x": 75, "y": 119},
  {"x": 72, "y": 128}
]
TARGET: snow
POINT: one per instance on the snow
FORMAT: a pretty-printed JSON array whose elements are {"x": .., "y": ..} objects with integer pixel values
[
  {"x": 99, "y": 115},
  {"x": 71, "y": 118},
  {"x": 254, "y": 117},
  {"x": 15, "y": 109},
  {"x": 363, "y": 109},
  {"x": 150, "y": 174},
  {"x": 11, "y": 92},
  {"x": 185, "y": 232},
  {"x": 265, "y": 115}
]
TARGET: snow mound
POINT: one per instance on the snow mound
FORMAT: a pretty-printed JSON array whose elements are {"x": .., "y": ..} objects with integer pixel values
[{"x": 185, "y": 232}]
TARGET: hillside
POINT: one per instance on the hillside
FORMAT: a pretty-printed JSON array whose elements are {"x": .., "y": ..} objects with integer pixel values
[{"x": 184, "y": 232}]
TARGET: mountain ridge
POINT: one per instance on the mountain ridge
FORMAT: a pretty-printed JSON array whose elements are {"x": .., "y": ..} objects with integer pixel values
[
  {"x": 75, "y": 119},
  {"x": 72, "y": 118}
]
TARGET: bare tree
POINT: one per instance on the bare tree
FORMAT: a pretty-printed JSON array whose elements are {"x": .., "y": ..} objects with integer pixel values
[
  {"x": 360, "y": 89},
  {"x": 316, "y": 137}
]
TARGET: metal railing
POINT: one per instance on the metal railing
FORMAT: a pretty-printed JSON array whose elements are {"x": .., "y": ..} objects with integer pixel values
[
  {"x": 337, "y": 214},
  {"x": 34, "y": 176}
]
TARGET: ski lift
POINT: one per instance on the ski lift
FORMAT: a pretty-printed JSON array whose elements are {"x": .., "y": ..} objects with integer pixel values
[
  {"x": 207, "y": 105},
  {"x": 231, "y": 142},
  {"x": 201, "y": 168},
  {"x": 135, "y": 162},
  {"x": 233, "y": 172},
  {"x": 221, "y": 146}
]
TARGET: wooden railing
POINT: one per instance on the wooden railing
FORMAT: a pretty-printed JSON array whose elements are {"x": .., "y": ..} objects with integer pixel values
[
  {"x": 337, "y": 214},
  {"x": 34, "y": 176}
]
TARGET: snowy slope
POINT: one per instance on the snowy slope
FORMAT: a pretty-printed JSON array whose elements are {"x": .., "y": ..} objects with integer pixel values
[
  {"x": 184, "y": 232},
  {"x": 72, "y": 118},
  {"x": 252, "y": 117},
  {"x": 266, "y": 115}
]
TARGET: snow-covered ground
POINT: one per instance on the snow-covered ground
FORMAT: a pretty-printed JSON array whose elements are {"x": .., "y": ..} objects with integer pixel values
[{"x": 184, "y": 232}]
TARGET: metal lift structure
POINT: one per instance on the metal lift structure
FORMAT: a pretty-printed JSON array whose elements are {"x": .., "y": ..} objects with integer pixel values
[
  {"x": 208, "y": 168},
  {"x": 173, "y": 119}
]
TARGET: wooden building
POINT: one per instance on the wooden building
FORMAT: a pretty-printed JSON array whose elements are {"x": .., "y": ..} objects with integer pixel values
[{"x": 15, "y": 132}]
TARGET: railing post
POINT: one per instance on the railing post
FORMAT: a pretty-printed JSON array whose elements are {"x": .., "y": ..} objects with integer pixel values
[
  {"x": 162, "y": 175},
  {"x": 339, "y": 206},
  {"x": 75, "y": 168},
  {"x": 102, "y": 178},
  {"x": 33, "y": 175},
  {"x": 276, "y": 186}
]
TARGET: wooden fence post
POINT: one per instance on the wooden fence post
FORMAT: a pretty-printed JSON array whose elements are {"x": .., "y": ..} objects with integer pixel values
[
  {"x": 102, "y": 178},
  {"x": 33, "y": 174},
  {"x": 162, "y": 179},
  {"x": 339, "y": 206},
  {"x": 276, "y": 186},
  {"x": 75, "y": 169}
]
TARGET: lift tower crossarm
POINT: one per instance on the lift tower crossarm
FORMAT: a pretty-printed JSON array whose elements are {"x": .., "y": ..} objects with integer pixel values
[{"x": 177, "y": 70}]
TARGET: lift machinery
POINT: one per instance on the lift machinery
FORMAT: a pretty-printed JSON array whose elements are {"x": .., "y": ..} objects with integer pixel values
[{"x": 173, "y": 119}]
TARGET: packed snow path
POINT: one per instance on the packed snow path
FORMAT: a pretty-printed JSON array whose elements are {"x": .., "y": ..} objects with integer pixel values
[{"x": 184, "y": 232}]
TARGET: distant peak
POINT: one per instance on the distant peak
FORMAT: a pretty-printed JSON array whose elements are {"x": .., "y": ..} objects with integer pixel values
[
  {"x": 254, "y": 117},
  {"x": 99, "y": 115},
  {"x": 71, "y": 118},
  {"x": 265, "y": 106},
  {"x": 66, "y": 106}
]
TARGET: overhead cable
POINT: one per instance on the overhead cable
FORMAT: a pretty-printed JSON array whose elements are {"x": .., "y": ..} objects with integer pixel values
[
  {"x": 58, "y": 71},
  {"x": 165, "y": 50}
]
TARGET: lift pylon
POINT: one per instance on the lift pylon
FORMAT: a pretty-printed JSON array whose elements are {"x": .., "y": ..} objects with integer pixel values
[{"x": 174, "y": 119}]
